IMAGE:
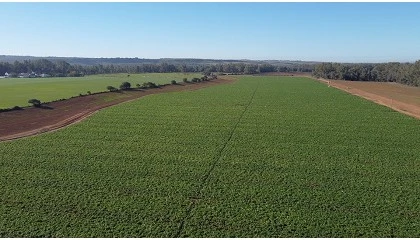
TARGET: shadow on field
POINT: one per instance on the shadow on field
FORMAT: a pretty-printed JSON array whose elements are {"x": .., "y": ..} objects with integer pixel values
[{"x": 46, "y": 107}]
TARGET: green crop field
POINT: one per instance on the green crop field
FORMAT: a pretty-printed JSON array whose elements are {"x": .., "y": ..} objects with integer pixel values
[
  {"x": 17, "y": 91},
  {"x": 263, "y": 157}
]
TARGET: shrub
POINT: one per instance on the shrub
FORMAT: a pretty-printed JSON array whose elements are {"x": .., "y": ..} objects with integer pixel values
[
  {"x": 149, "y": 85},
  {"x": 10, "y": 109},
  {"x": 138, "y": 85},
  {"x": 88, "y": 92},
  {"x": 185, "y": 80},
  {"x": 17, "y": 108},
  {"x": 173, "y": 82},
  {"x": 125, "y": 86},
  {"x": 34, "y": 102},
  {"x": 195, "y": 80},
  {"x": 111, "y": 88}
]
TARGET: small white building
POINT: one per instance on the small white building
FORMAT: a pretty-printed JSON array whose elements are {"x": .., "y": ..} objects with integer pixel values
[{"x": 24, "y": 75}]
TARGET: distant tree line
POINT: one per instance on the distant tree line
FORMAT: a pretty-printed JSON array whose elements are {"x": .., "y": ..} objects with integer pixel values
[
  {"x": 64, "y": 69},
  {"x": 58, "y": 69},
  {"x": 405, "y": 73}
]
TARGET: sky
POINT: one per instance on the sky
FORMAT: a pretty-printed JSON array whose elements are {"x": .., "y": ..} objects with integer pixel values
[{"x": 332, "y": 32}]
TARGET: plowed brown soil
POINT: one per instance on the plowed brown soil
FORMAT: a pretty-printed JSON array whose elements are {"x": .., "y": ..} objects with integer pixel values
[
  {"x": 402, "y": 98},
  {"x": 55, "y": 115}
]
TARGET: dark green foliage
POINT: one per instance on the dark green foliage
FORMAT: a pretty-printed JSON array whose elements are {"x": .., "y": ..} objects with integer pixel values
[
  {"x": 404, "y": 73},
  {"x": 16, "y": 108},
  {"x": 35, "y": 102},
  {"x": 125, "y": 86},
  {"x": 74, "y": 74},
  {"x": 185, "y": 80},
  {"x": 194, "y": 80},
  {"x": 263, "y": 68},
  {"x": 173, "y": 82},
  {"x": 89, "y": 92},
  {"x": 150, "y": 85},
  {"x": 111, "y": 89},
  {"x": 138, "y": 85},
  {"x": 72, "y": 66},
  {"x": 10, "y": 109},
  {"x": 207, "y": 72}
]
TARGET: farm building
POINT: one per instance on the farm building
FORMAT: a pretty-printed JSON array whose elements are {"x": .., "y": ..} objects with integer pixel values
[
  {"x": 27, "y": 75},
  {"x": 23, "y": 75}
]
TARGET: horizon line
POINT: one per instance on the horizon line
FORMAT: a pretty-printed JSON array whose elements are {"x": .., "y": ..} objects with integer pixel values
[{"x": 217, "y": 59}]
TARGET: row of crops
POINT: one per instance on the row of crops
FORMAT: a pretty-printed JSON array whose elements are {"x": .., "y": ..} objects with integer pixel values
[{"x": 264, "y": 157}]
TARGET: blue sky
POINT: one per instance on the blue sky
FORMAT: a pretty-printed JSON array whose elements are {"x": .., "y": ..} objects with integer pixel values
[{"x": 339, "y": 32}]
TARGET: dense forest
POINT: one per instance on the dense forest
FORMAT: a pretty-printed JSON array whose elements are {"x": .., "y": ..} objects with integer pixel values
[
  {"x": 405, "y": 73},
  {"x": 62, "y": 68}
]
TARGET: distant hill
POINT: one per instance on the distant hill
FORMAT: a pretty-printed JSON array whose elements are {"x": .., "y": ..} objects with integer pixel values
[{"x": 139, "y": 61}]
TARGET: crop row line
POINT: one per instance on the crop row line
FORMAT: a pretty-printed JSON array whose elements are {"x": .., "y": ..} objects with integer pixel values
[{"x": 217, "y": 157}]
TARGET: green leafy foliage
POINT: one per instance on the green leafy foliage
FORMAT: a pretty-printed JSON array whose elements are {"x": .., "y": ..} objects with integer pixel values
[
  {"x": 111, "y": 88},
  {"x": 263, "y": 157},
  {"x": 150, "y": 85},
  {"x": 196, "y": 80},
  {"x": 34, "y": 102},
  {"x": 125, "y": 86}
]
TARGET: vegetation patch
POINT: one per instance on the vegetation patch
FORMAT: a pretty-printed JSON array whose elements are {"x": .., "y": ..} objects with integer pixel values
[
  {"x": 17, "y": 91},
  {"x": 264, "y": 157}
]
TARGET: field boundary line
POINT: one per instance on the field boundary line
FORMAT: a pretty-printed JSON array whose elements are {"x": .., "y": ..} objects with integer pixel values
[
  {"x": 82, "y": 115},
  {"x": 216, "y": 159},
  {"x": 402, "y": 107}
]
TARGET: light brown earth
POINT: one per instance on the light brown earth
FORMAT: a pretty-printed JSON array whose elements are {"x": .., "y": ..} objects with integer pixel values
[
  {"x": 402, "y": 98},
  {"x": 56, "y": 115}
]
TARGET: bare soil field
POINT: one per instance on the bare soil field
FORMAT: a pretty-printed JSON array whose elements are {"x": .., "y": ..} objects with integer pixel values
[
  {"x": 402, "y": 98},
  {"x": 55, "y": 115}
]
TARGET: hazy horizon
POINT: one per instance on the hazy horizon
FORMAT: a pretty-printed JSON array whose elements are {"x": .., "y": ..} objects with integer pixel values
[
  {"x": 319, "y": 32},
  {"x": 217, "y": 59}
]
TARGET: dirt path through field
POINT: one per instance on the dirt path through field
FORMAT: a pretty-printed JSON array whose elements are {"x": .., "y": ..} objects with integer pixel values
[
  {"x": 404, "y": 99},
  {"x": 55, "y": 115}
]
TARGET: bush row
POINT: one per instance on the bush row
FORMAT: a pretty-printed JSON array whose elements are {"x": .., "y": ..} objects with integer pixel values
[{"x": 123, "y": 86}]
